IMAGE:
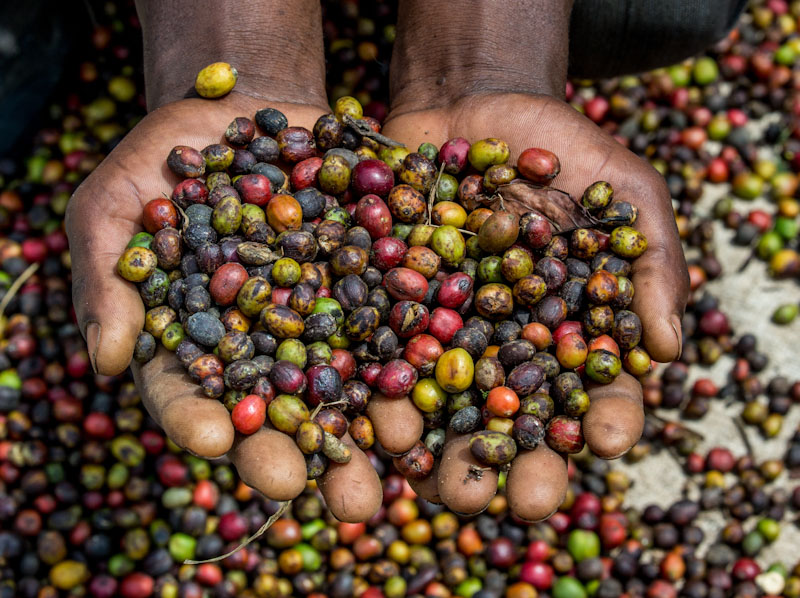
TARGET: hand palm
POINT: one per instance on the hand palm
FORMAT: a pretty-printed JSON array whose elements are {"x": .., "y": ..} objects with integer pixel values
[
  {"x": 587, "y": 154},
  {"x": 103, "y": 215}
]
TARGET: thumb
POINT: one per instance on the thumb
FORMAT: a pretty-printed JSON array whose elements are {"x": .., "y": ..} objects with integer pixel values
[{"x": 109, "y": 310}]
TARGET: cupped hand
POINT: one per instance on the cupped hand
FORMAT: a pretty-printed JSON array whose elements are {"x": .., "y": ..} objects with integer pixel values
[
  {"x": 103, "y": 214},
  {"x": 537, "y": 481}
]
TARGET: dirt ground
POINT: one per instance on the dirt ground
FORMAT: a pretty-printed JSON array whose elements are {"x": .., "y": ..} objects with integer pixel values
[{"x": 748, "y": 298}]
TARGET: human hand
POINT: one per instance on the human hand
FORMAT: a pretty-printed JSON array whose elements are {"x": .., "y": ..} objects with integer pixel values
[
  {"x": 537, "y": 480},
  {"x": 103, "y": 214}
]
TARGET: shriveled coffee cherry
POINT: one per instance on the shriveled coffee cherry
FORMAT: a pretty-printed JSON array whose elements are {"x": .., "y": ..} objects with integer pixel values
[
  {"x": 241, "y": 374},
  {"x": 584, "y": 243},
  {"x": 295, "y": 144},
  {"x": 489, "y": 373},
  {"x": 627, "y": 329},
  {"x": 494, "y": 301},
  {"x": 206, "y": 365},
  {"x": 336, "y": 450},
  {"x": 240, "y": 132},
  {"x": 205, "y": 328},
  {"x": 529, "y": 290},
  {"x": 350, "y": 259},
  {"x": 361, "y": 323},
  {"x": 409, "y": 318},
  {"x": 407, "y": 204},
  {"x": 417, "y": 171},
  {"x": 281, "y": 321},
  {"x": 271, "y": 121},
  {"x": 513, "y": 351},
  {"x": 525, "y": 379},
  {"x": 218, "y": 157},
  {"x": 186, "y": 162},
  {"x": 324, "y": 384},
  {"x": 535, "y": 229},
  {"x": 328, "y": 132},
  {"x": 551, "y": 311},
  {"x": 145, "y": 348},
  {"x": 577, "y": 403},
  {"x": 528, "y": 431}
]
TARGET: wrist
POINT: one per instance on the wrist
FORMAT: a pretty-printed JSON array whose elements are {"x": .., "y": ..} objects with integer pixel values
[
  {"x": 446, "y": 52},
  {"x": 276, "y": 48}
]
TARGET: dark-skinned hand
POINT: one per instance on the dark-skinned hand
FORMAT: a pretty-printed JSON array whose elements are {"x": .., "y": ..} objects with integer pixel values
[
  {"x": 537, "y": 480},
  {"x": 103, "y": 214}
]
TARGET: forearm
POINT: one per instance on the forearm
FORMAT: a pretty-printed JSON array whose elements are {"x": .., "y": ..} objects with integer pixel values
[
  {"x": 275, "y": 45},
  {"x": 448, "y": 50}
]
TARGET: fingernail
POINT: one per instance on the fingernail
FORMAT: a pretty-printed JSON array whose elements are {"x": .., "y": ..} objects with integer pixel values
[
  {"x": 676, "y": 326},
  {"x": 93, "y": 342}
]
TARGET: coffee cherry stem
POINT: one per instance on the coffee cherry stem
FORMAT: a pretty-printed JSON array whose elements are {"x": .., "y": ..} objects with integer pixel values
[
  {"x": 745, "y": 440},
  {"x": 321, "y": 406},
  {"x": 432, "y": 194},
  {"x": 14, "y": 289},
  {"x": 269, "y": 523},
  {"x": 365, "y": 130}
]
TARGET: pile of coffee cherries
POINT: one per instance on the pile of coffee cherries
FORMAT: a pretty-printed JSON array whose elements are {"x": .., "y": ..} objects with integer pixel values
[{"x": 357, "y": 278}]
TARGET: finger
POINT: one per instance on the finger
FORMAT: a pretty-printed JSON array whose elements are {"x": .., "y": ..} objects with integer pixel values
[
  {"x": 537, "y": 483},
  {"x": 397, "y": 423},
  {"x": 109, "y": 310},
  {"x": 428, "y": 487},
  {"x": 465, "y": 485},
  {"x": 660, "y": 277},
  {"x": 191, "y": 420},
  {"x": 615, "y": 419},
  {"x": 352, "y": 490},
  {"x": 270, "y": 462}
]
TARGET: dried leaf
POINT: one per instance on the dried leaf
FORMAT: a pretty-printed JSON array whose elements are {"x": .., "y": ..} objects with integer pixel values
[
  {"x": 256, "y": 254},
  {"x": 363, "y": 129},
  {"x": 520, "y": 197}
]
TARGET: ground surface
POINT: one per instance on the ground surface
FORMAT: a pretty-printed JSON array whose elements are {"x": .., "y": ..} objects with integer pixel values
[{"x": 748, "y": 298}]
